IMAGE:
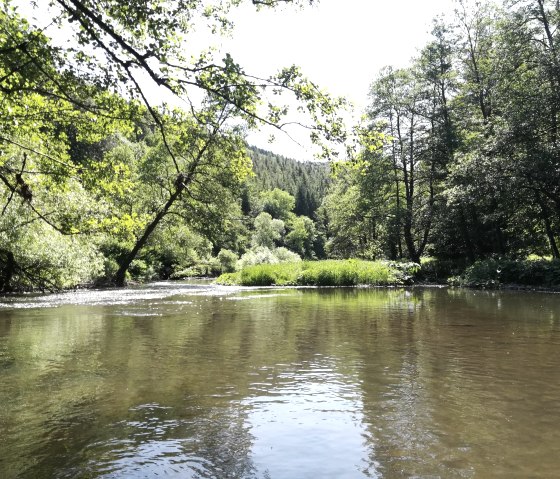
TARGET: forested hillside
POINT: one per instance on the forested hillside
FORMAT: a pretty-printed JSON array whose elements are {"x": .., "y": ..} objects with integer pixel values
[{"x": 306, "y": 181}]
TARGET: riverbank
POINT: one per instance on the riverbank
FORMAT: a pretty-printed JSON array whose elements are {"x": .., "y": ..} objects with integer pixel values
[
  {"x": 351, "y": 272},
  {"x": 538, "y": 275},
  {"x": 531, "y": 274}
]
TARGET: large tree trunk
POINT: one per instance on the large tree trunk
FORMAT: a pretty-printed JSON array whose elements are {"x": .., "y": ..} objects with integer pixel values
[
  {"x": 545, "y": 215},
  {"x": 181, "y": 183},
  {"x": 551, "y": 239},
  {"x": 120, "y": 276},
  {"x": 466, "y": 235},
  {"x": 408, "y": 235},
  {"x": 7, "y": 272}
]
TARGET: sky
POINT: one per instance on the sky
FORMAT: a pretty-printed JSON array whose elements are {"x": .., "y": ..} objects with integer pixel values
[{"x": 339, "y": 44}]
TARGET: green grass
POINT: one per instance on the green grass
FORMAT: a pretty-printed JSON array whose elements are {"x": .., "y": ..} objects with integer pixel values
[{"x": 323, "y": 273}]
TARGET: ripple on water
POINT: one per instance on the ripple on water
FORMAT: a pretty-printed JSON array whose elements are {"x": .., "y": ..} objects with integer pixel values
[
  {"x": 100, "y": 297},
  {"x": 212, "y": 443},
  {"x": 328, "y": 384},
  {"x": 311, "y": 415}
]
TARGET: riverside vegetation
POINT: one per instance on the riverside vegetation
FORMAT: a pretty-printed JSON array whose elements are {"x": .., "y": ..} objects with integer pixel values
[
  {"x": 456, "y": 167},
  {"x": 323, "y": 273}
]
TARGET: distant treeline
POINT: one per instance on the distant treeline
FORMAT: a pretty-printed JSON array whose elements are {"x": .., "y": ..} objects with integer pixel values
[{"x": 306, "y": 181}]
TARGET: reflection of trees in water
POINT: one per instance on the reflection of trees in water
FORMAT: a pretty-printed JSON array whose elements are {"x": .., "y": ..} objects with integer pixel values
[
  {"x": 197, "y": 361},
  {"x": 42, "y": 395},
  {"x": 396, "y": 410},
  {"x": 75, "y": 377},
  {"x": 446, "y": 390}
]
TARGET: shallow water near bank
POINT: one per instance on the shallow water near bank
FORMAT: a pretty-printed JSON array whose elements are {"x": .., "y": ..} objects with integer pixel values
[{"x": 201, "y": 381}]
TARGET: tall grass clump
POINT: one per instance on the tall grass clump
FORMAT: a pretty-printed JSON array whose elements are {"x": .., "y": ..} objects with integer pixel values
[
  {"x": 323, "y": 273},
  {"x": 279, "y": 274},
  {"x": 346, "y": 273}
]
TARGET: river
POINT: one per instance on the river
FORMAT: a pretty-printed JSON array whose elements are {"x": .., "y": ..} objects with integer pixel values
[{"x": 200, "y": 381}]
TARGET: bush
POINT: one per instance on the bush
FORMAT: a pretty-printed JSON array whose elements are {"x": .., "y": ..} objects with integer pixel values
[
  {"x": 492, "y": 273},
  {"x": 195, "y": 271},
  {"x": 405, "y": 271},
  {"x": 258, "y": 255},
  {"x": 264, "y": 255},
  {"x": 284, "y": 255},
  {"x": 434, "y": 270},
  {"x": 46, "y": 260},
  {"x": 227, "y": 260},
  {"x": 229, "y": 279},
  {"x": 140, "y": 270}
]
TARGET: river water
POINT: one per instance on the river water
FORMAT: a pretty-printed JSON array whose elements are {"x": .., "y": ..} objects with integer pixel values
[{"x": 199, "y": 381}]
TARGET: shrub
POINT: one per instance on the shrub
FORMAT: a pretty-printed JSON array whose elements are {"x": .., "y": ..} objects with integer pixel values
[
  {"x": 264, "y": 255},
  {"x": 434, "y": 270},
  {"x": 258, "y": 255},
  {"x": 227, "y": 260},
  {"x": 195, "y": 271},
  {"x": 405, "y": 272},
  {"x": 492, "y": 273},
  {"x": 284, "y": 255},
  {"x": 229, "y": 279},
  {"x": 46, "y": 260}
]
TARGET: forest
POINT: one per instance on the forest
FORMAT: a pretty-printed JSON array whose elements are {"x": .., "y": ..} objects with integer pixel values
[{"x": 455, "y": 167}]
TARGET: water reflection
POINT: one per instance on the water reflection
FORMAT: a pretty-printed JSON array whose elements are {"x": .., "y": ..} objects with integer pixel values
[
  {"x": 316, "y": 411},
  {"x": 160, "y": 441},
  {"x": 191, "y": 381}
]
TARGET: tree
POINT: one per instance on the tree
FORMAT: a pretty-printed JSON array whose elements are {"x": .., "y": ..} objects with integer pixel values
[
  {"x": 506, "y": 172},
  {"x": 404, "y": 107},
  {"x": 227, "y": 260},
  {"x": 268, "y": 231},
  {"x": 302, "y": 236},
  {"x": 210, "y": 156},
  {"x": 125, "y": 47},
  {"x": 306, "y": 181},
  {"x": 104, "y": 81},
  {"x": 279, "y": 204},
  {"x": 354, "y": 213},
  {"x": 530, "y": 139}
]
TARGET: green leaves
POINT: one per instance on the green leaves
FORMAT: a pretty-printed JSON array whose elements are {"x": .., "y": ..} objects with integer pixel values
[{"x": 90, "y": 151}]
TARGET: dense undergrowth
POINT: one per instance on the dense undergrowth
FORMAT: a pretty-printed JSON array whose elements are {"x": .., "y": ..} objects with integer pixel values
[{"x": 495, "y": 273}]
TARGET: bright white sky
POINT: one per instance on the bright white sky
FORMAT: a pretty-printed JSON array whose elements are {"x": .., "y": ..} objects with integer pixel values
[{"x": 339, "y": 44}]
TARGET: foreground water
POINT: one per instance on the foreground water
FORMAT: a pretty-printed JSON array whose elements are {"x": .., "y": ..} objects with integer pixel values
[{"x": 196, "y": 381}]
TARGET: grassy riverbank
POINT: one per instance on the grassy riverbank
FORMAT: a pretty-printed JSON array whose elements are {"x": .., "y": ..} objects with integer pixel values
[
  {"x": 485, "y": 274},
  {"x": 323, "y": 273}
]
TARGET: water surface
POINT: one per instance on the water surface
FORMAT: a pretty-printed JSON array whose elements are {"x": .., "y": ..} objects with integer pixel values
[{"x": 197, "y": 381}]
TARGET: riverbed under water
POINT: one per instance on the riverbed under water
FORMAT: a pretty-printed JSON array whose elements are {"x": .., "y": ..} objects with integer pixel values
[{"x": 200, "y": 381}]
